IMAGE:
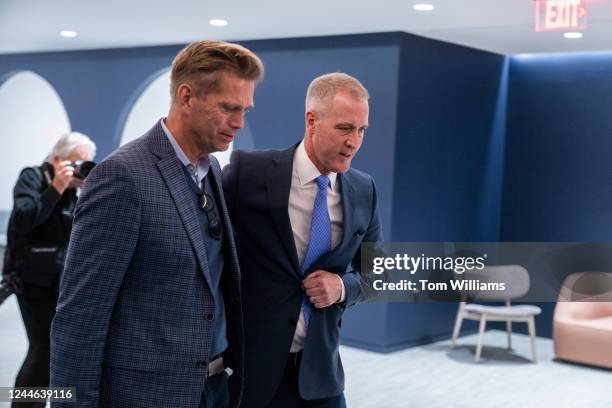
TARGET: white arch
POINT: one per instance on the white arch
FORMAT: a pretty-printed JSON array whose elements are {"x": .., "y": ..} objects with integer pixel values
[{"x": 33, "y": 117}]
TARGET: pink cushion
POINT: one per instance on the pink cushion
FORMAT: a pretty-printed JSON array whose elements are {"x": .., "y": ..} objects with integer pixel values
[
  {"x": 588, "y": 342},
  {"x": 583, "y": 330}
]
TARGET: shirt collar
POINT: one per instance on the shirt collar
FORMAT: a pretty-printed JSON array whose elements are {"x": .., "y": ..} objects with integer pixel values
[
  {"x": 305, "y": 168},
  {"x": 203, "y": 164}
]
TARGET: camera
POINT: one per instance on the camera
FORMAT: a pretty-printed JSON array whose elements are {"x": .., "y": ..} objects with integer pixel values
[{"x": 82, "y": 168}]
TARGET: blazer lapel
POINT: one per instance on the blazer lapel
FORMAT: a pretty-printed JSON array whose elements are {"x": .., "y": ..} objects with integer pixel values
[
  {"x": 228, "y": 233},
  {"x": 170, "y": 168},
  {"x": 278, "y": 186},
  {"x": 348, "y": 206}
]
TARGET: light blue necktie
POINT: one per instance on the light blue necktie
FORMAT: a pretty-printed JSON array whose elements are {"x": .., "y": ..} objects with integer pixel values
[{"x": 320, "y": 237}]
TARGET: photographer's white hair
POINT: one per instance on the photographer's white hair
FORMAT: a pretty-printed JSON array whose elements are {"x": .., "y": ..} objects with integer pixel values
[{"x": 70, "y": 141}]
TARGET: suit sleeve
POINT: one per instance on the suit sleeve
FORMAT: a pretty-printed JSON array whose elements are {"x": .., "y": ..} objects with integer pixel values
[
  {"x": 230, "y": 182},
  {"x": 104, "y": 237},
  {"x": 355, "y": 279},
  {"x": 230, "y": 191}
]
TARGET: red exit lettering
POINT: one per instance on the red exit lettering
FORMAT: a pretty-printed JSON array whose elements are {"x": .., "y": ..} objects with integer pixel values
[{"x": 560, "y": 15}]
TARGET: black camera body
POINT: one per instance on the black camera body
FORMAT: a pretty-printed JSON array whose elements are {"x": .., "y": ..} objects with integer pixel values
[{"x": 82, "y": 168}]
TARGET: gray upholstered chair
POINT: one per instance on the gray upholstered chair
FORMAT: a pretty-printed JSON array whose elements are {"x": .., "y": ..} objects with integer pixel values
[{"x": 516, "y": 279}]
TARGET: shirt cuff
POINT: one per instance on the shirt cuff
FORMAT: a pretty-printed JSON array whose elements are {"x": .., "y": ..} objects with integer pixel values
[{"x": 343, "y": 294}]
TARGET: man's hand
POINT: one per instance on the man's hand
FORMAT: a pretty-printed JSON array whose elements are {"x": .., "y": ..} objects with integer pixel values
[
  {"x": 63, "y": 175},
  {"x": 76, "y": 183},
  {"x": 323, "y": 288}
]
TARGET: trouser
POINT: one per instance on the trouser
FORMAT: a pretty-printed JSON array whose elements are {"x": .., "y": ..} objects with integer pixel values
[
  {"x": 288, "y": 393},
  {"x": 37, "y": 315},
  {"x": 216, "y": 394}
]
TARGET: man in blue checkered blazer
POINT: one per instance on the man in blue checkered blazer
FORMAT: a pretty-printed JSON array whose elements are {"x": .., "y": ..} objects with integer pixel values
[{"x": 149, "y": 313}]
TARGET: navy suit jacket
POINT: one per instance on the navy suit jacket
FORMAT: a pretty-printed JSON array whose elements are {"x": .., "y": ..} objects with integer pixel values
[
  {"x": 135, "y": 315},
  {"x": 257, "y": 186}
]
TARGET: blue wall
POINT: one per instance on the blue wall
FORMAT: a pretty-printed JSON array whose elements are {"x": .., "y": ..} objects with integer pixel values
[
  {"x": 559, "y": 174},
  {"x": 446, "y": 143},
  {"x": 558, "y": 171},
  {"x": 447, "y": 109}
]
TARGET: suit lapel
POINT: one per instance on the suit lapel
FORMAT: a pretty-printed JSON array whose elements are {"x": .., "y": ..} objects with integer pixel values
[
  {"x": 173, "y": 175},
  {"x": 348, "y": 206},
  {"x": 278, "y": 186},
  {"x": 227, "y": 226}
]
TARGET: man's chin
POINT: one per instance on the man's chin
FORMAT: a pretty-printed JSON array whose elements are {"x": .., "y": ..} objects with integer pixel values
[
  {"x": 221, "y": 147},
  {"x": 341, "y": 169}
]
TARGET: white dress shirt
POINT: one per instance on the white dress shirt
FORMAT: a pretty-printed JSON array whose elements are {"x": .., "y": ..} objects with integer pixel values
[{"x": 301, "y": 204}]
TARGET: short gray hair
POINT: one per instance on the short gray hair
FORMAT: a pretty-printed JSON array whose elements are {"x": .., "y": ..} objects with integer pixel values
[
  {"x": 70, "y": 141},
  {"x": 322, "y": 89}
]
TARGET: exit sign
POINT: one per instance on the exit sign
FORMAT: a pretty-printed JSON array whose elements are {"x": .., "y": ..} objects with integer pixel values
[{"x": 560, "y": 15}]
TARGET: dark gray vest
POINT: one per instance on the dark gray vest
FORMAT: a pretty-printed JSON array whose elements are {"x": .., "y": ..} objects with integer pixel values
[{"x": 215, "y": 251}]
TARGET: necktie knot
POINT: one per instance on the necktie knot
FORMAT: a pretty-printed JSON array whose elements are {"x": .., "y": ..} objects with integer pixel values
[{"x": 322, "y": 182}]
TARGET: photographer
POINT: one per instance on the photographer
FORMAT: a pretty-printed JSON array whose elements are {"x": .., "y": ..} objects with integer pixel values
[{"x": 38, "y": 234}]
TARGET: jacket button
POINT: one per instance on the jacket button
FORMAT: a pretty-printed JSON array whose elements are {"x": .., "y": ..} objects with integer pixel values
[{"x": 209, "y": 316}]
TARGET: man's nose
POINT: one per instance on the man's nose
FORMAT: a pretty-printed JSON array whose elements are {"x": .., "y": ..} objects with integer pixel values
[
  {"x": 237, "y": 120},
  {"x": 353, "y": 140}
]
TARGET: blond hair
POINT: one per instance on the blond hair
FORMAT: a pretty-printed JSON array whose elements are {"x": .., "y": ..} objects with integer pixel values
[{"x": 198, "y": 63}]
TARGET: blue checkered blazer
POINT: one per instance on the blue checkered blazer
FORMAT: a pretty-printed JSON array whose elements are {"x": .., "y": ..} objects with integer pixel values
[{"x": 132, "y": 327}]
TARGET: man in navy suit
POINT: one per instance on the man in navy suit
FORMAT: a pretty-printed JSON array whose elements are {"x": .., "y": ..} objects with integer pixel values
[
  {"x": 149, "y": 312},
  {"x": 300, "y": 216}
]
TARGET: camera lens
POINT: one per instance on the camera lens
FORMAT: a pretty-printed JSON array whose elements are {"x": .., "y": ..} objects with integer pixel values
[{"x": 82, "y": 168}]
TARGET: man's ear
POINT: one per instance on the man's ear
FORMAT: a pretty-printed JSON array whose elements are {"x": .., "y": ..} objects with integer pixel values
[
  {"x": 311, "y": 118},
  {"x": 184, "y": 94}
]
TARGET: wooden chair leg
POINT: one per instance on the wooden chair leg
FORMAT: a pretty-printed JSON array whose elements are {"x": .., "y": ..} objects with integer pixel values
[
  {"x": 481, "y": 330},
  {"x": 509, "y": 330},
  {"x": 532, "y": 334},
  {"x": 457, "y": 328}
]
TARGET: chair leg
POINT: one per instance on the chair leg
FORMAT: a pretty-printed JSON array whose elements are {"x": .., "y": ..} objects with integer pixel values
[
  {"x": 532, "y": 334},
  {"x": 457, "y": 329},
  {"x": 509, "y": 330},
  {"x": 481, "y": 330}
]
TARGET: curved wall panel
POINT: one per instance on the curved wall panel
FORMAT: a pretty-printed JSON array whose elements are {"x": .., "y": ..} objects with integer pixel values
[{"x": 33, "y": 117}]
